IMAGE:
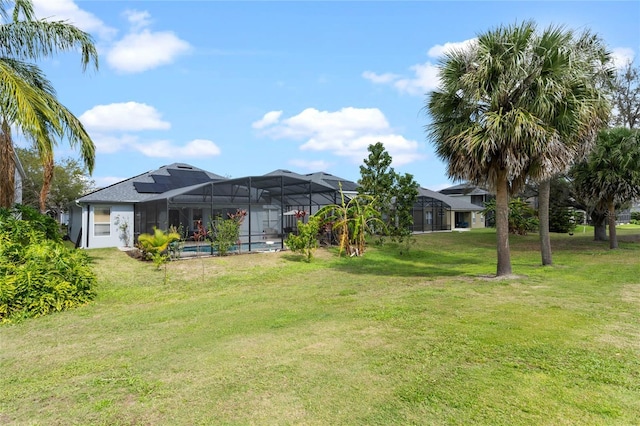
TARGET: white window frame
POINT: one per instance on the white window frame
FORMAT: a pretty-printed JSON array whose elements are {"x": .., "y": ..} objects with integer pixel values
[{"x": 99, "y": 216}]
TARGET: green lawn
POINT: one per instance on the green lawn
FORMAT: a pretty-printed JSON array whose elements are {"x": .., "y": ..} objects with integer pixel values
[{"x": 424, "y": 337}]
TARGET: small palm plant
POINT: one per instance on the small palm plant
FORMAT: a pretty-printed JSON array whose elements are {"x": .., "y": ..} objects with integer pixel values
[{"x": 155, "y": 246}]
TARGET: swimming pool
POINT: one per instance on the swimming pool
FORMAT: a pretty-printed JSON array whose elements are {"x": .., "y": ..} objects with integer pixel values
[{"x": 206, "y": 249}]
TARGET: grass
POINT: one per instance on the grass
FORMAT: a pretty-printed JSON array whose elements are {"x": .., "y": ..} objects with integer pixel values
[{"x": 422, "y": 337}]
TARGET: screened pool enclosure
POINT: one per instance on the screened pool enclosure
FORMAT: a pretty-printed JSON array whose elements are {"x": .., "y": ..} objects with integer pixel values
[{"x": 270, "y": 202}]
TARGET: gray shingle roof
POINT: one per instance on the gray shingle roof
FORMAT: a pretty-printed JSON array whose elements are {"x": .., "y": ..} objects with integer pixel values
[
  {"x": 464, "y": 189},
  {"x": 148, "y": 185},
  {"x": 455, "y": 203}
]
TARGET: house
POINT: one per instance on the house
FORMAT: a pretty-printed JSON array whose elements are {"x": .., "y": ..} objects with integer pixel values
[
  {"x": 471, "y": 194},
  {"x": 187, "y": 198},
  {"x": 434, "y": 211},
  {"x": 113, "y": 216}
]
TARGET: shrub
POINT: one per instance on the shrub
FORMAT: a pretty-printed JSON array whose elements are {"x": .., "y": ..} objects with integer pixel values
[
  {"x": 561, "y": 220},
  {"x": 155, "y": 247},
  {"x": 522, "y": 219},
  {"x": 38, "y": 274},
  {"x": 226, "y": 233},
  {"x": 307, "y": 239}
]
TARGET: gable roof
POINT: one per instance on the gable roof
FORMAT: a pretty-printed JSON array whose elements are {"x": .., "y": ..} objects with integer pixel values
[
  {"x": 455, "y": 203},
  {"x": 150, "y": 184},
  {"x": 464, "y": 189}
]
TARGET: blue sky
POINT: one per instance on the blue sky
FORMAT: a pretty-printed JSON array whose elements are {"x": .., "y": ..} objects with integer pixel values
[{"x": 243, "y": 88}]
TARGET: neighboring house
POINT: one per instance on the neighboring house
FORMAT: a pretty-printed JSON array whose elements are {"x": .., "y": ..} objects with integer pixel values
[
  {"x": 471, "y": 194},
  {"x": 435, "y": 211},
  {"x": 20, "y": 176}
]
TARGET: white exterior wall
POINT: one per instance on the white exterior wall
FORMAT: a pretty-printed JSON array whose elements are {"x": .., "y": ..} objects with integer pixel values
[{"x": 119, "y": 214}]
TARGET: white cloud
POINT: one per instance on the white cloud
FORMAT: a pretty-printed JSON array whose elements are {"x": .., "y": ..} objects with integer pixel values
[
  {"x": 268, "y": 119},
  {"x": 67, "y": 10},
  {"x": 424, "y": 80},
  {"x": 311, "y": 165},
  {"x": 126, "y": 116},
  {"x": 108, "y": 144},
  {"x": 165, "y": 149},
  {"x": 138, "y": 19},
  {"x": 622, "y": 56},
  {"x": 145, "y": 50},
  {"x": 139, "y": 50},
  {"x": 346, "y": 133},
  {"x": 423, "y": 77},
  {"x": 441, "y": 49},
  {"x": 380, "y": 78}
]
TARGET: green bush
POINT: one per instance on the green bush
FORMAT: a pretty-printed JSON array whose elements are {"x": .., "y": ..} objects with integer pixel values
[
  {"x": 307, "y": 239},
  {"x": 561, "y": 220},
  {"x": 522, "y": 218},
  {"x": 155, "y": 246},
  {"x": 38, "y": 274},
  {"x": 226, "y": 233}
]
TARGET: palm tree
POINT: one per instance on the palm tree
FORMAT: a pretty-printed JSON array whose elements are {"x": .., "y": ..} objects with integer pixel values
[
  {"x": 610, "y": 176},
  {"x": 511, "y": 107},
  {"x": 28, "y": 99}
]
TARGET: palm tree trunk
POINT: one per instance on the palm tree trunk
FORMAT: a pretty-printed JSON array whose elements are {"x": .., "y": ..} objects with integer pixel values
[
  {"x": 613, "y": 238},
  {"x": 502, "y": 224},
  {"x": 47, "y": 178},
  {"x": 7, "y": 167},
  {"x": 544, "y": 191},
  {"x": 599, "y": 226}
]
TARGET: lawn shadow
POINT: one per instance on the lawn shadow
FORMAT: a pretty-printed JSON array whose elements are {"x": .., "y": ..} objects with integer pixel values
[{"x": 414, "y": 263}]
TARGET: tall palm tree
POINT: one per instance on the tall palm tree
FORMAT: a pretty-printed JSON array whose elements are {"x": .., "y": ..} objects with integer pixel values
[
  {"x": 27, "y": 99},
  {"x": 577, "y": 75},
  {"x": 510, "y": 108},
  {"x": 610, "y": 176}
]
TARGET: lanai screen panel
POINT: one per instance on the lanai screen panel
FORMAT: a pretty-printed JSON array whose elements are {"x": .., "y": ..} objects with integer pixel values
[
  {"x": 430, "y": 214},
  {"x": 264, "y": 198}
]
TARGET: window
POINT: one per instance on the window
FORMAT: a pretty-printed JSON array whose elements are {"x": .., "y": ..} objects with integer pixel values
[
  {"x": 429, "y": 218},
  {"x": 101, "y": 221}
]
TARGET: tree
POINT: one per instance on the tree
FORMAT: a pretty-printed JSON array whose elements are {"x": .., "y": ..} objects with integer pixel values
[
  {"x": 405, "y": 195},
  {"x": 626, "y": 97},
  {"x": 30, "y": 101},
  {"x": 513, "y": 106},
  {"x": 378, "y": 178},
  {"x": 69, "y": 182},
  {"x": 610, "y": 176},
  {"x": 393, "y": 193}
]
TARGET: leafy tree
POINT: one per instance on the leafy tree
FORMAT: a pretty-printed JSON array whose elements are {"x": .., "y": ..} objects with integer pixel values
[
  {"x": 393, "y": 193},
  {"x": 610, "y": 176},
  {"x": 30, "y": 101},
  {"x": 513, "y": 106},
  {"x": 69, "y": 182},
  {"x": 626, "y": 97},
  {"x": 405, "y": 196},
  {"x": 378, "y": 178}
]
